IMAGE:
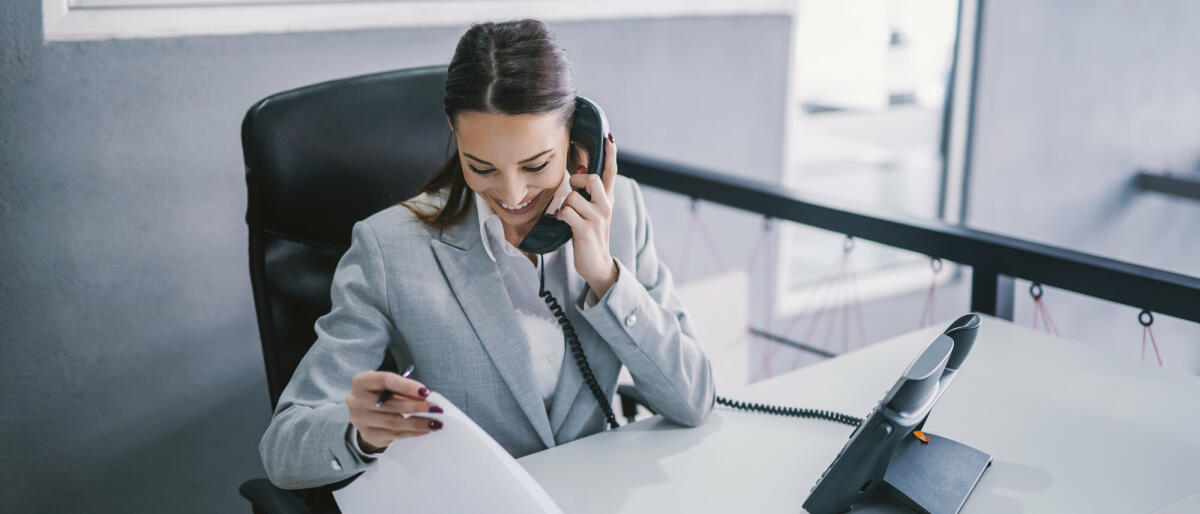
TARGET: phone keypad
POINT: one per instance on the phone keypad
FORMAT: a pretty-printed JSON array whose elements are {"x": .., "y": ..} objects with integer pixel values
[{"x": 847, "y": 445}]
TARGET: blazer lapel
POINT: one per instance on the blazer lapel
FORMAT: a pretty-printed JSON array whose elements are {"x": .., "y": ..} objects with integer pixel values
[
  {"x": 478, "y": 287},
  {"x": 570, "y": 385}
]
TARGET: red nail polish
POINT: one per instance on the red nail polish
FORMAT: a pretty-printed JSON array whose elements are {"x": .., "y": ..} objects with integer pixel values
[
  {"x": 436, "y": 409},
  {"x": 580, "y": 169},
  {"x": 435, "y": 424},
  {"x": 610, "y": 138},
  {"x": 423, "y": 392}
]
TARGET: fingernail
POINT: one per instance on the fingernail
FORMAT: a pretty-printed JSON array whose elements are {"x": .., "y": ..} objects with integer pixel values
[
  {"x": 423, "y": 392},
  {"x": 435, "y": 408},
  {"x": 580, "y": 169},
  {"x": 610, "y": 138},
  {"x": 435, "y": 424}
]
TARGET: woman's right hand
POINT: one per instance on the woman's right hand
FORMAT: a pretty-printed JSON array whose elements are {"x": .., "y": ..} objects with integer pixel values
[{"x": 379, "y": 426}]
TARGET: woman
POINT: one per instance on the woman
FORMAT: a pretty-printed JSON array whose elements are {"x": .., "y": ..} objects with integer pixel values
[{"x": 440, "y": 282}]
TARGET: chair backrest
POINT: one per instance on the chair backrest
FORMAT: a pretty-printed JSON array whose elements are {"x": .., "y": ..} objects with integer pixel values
[{"x": 318, "y": 159}]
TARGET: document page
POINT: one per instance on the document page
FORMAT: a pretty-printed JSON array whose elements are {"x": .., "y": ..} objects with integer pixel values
[{"x": 459, "y": 468}]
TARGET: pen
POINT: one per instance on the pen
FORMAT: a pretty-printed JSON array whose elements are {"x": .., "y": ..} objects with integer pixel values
[{"x": 387, "y": 394}]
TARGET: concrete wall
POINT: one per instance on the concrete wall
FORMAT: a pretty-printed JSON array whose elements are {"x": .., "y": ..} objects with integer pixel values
[
  {"x": 1073, "y": 98},
  {"x": 132, "y": 378}
]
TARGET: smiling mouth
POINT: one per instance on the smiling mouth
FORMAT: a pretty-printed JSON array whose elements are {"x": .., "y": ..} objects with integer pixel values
[{"x": 522, "y": 207}]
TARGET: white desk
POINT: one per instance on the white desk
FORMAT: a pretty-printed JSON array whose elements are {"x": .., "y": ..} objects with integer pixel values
[{"x": 1069, "y": 429}]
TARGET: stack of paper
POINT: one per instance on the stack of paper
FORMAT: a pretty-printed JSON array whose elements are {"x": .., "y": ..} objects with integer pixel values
[{"x": 459, "y": 468}]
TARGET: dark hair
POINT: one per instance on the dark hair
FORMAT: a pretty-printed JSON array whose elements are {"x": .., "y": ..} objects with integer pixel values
[{"x": 512, "y": 67}]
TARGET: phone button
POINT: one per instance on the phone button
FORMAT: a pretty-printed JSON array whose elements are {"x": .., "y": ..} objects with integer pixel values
[
  {"x": 334, "y": 463},
  {"x": 885, "y": 430}
]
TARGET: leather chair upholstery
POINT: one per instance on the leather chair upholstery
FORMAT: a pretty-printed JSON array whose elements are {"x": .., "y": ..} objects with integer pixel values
[{"x": 318, "y": 159}]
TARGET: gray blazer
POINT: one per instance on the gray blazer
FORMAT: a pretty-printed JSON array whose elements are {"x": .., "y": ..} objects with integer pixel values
[{"x": 435, "y": 299}]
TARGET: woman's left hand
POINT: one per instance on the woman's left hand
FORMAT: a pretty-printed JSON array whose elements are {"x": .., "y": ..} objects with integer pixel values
[{"x": 589, "y": 221}]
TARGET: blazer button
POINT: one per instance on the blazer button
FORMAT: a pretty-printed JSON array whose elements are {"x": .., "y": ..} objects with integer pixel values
[
  {"x": 337, "y": 466},
  {"x": 630, "y": 320}
]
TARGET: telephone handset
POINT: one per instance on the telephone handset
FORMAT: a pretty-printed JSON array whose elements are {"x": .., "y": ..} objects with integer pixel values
[{"x": 589, "y": 129}]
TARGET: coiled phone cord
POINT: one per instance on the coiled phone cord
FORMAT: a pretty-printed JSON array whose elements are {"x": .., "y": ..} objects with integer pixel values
[
  {"x": 586, "y": 370},
  {"x": 794, "y": 412}
]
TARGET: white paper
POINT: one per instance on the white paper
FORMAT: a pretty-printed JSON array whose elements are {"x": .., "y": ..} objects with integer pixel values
[{"x": 458, "y": 468}]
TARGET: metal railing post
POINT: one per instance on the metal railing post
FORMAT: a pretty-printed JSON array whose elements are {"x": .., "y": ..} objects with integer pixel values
[{"x": 992, "y": 293}]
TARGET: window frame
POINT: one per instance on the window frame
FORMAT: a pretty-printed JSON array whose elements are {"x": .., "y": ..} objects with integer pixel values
[
  {"x": 893, "y": 281},
  {"x": 98, "y": 19}
]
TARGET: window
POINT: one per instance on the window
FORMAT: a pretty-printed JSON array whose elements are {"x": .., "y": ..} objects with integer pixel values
[{"x": 870, "y": 84}]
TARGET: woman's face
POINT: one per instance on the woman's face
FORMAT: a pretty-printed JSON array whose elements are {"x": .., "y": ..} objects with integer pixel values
[{"x": 515, "y": 162}]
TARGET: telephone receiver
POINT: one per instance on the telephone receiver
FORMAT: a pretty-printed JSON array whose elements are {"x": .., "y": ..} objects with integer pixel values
[{"x": 588, "y": 130}]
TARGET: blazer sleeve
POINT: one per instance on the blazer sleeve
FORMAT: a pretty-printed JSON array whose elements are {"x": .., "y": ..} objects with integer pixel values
[
  {"x": 648, "y": 328},
  {"x": 307, "y": 443}
]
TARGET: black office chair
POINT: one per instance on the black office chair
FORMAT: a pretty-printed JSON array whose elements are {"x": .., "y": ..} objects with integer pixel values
[{"x": 318, "y": 159}]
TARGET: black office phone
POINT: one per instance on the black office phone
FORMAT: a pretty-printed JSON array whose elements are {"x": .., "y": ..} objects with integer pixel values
[
  {"x": 589, "y": 128},
  {"x": 889, "y": 457}
]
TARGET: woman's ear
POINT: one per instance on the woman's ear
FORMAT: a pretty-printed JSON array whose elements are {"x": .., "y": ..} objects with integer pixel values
[
  {"x": 449, "y": 123},
  {"x": 577, "y": 157}
]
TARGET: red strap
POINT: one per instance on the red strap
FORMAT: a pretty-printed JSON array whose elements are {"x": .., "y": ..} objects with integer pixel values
[
  {"x": 927, "y": 315},
  {"x": 1147, "y": 332},
  {"x": 694, "y": 220},
  {"x": 1039, "y": 307},
  {"x": 683, "y": 253},
  {"x": 826, "y": 295}
]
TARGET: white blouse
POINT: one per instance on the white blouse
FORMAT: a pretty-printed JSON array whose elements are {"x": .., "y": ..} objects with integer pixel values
[{"x": 520, "y": 277}]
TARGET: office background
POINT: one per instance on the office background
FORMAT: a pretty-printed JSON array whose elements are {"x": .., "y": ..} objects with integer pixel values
[{"x": 132, "y": 377}]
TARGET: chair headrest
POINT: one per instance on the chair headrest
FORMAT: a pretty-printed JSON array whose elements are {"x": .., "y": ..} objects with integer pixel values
[{"x": 321, "y": 157}]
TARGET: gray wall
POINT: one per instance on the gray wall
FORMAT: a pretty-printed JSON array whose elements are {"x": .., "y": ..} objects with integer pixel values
[
  {"x": 132, "y": 379},
  {"x": 1073, "y": 98}
]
